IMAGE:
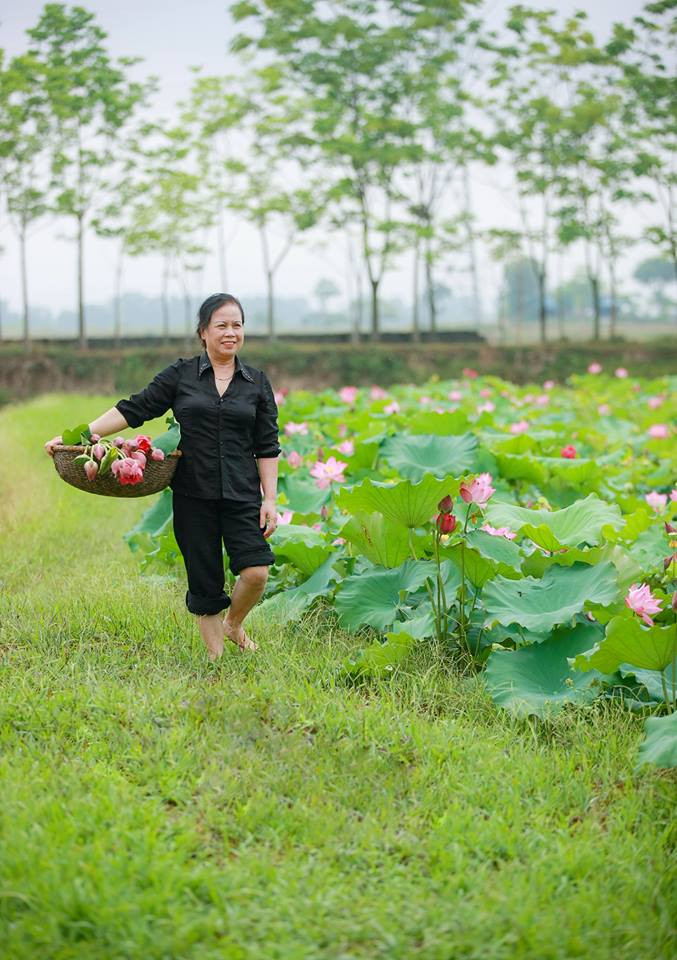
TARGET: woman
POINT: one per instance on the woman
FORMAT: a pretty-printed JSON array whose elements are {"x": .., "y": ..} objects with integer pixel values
[{"x": 230, "y": 448}]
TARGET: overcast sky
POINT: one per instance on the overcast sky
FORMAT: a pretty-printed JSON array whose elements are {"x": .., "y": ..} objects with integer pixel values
[{"x": 170, "y": 38}]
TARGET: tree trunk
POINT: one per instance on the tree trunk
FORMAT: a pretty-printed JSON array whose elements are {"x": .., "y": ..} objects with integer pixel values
[
  {"x": 520, "y": 306},
  {"x": 165, "y": 299},
  {"x": 415, "y": 320},
  {"x": 24, "y": 289},
  {"x": 117, "y": 303},
  {"x": 375, "y": 331},
  {"x": 594, "y": 286},
  {"x": 613, "y": 296},
  {"x": 477, "y": 301},
  {"x": 270, "y": 305},
  {"x": 542, "y": 317},
  {"x": 221, "y": 245},
  {"x": 430, "y": 288},
  {"x": 81, "y": 285}
]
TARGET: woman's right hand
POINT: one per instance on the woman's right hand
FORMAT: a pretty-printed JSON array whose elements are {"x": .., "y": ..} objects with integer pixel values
[{"x": 49, "y": 446}]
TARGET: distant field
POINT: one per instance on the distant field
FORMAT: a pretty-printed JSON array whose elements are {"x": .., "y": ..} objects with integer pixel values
[{"x": 155, "y": 805}]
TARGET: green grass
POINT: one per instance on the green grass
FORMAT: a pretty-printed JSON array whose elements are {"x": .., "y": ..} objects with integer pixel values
[{"x": 155, "y": 805}]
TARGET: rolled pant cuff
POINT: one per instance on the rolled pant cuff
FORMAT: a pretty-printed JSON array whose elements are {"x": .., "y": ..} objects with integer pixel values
[{"x": 201, "y": 605}]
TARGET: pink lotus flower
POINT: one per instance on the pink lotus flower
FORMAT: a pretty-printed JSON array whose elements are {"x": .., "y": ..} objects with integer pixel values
[
  {"x": 377, "y": 393},
  {"x": 291, "y": 428},
  {"x": 604, "y": 409},
  {"x": 338, "y": 542},
  {"x": 294, "y": 459},
  {"x": 520, "y": 427},
  {"x": 455, "y": 396},
  {"x": 279, "y": 397},
  {"x": 424, "y": 400},
  {"x": 595, "y": 367},
  {"x": 127, "y": 470},
  {"x": 141, "y": 457},
  {"x": 621, "y": 373},
  {"x": 143, "y": 443},
  {"x": 157, "y": 454},
  {"x": 542, "y": 400},
  {"x": 487, "y": 407},
  {"x": 478, "y": 491},
  {"x": 655, "y": 402},
  {"x": 285, "y": 517},
  {"x": 659, "y": 431},
  {"x": 485, "y": 392},
  {"x": 498, "y": 531},
  {"x": 673, "y": 495},
  {"x": 549, "y": 384},
  {"x": 326, "y": 473},
  {"x": 469, "y": 373},
  {"x": 568, "y": 452},
  {"x": 642, "y": 602},
  {"x": 99, "y": 451},
  {"x": 91, "y": 469},
  {"x": 439, "y": 410},
  {"x": 317, "y": 526},
  {"x": 342, "y": 429},
  {"x": 348, "y": 394},
  {"x": 347, "y": 448},
  {"x": 393, "y": 407},
  {"x": 657, "y": 501}
]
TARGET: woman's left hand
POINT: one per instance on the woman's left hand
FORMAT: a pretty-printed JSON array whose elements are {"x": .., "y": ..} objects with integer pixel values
[{"x": 268, "y": 516}]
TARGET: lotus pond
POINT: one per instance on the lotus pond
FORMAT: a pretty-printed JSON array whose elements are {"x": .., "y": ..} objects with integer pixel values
[{"x": 529, "y": 532}]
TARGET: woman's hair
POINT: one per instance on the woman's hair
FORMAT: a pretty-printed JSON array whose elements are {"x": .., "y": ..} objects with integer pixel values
[{"x": 210, "y": 305}]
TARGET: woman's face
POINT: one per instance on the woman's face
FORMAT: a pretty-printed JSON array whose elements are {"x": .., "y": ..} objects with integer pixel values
[{"x": 225, "y": 334}]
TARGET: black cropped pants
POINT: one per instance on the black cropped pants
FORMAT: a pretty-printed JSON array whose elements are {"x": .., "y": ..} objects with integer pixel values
[{"x": 200, "y": 527}]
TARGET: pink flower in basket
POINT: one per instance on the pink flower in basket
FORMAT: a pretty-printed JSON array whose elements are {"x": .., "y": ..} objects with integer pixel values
[{"x": 127, "y": 470}]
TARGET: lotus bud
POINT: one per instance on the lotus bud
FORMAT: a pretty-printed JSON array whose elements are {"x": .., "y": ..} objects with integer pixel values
[
  {"x": 669, "y": 528},
  {"x": 157, "y": 454},
  {"x": 140, "y": 456},
  {"x": 324, "y": 512},
  {"x": 91, "y": 469},
  {"x": 446, "y": 504},
  {"x": 118, "y": 442},
  {"x": 99, "y": 451},
  {"x": 95, "y": 437},
  {"x": 446, "y": 522}
]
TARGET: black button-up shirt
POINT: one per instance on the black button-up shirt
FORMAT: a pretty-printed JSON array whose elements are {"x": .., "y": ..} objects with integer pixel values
[{"x": 221, "y": 437}]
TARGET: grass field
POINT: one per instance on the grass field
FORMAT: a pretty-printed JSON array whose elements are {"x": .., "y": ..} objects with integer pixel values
[{"x": 155, "y": 805}]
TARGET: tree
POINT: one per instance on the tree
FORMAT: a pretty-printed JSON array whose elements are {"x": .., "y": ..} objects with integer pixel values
[
  {"x": 90, "y": 100},
  {"x": 349, "y": 64},
  {"x": 648, "y": 49},
  {"x": 657, "y": 273},
  {"x": 24, "y": 174},
  {"x": 529, "y": 128},
  {"x": 168, "y": 209},
  {"x": 325, "y": 290}
]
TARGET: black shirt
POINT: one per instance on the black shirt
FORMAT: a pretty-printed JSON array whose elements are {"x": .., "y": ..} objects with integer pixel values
[{"x": 220, "y": 436}]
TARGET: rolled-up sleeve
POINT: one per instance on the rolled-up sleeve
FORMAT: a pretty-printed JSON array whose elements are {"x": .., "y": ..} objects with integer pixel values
[
  {"x": 266, "y": 438},
  {"x": 153, "y": 400}
]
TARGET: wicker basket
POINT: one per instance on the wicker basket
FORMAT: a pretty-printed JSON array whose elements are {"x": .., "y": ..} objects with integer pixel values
[{"x": 156, "y": 475}]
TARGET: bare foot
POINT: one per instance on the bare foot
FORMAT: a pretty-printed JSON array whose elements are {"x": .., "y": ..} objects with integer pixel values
[{"x": 238, "y": 636}]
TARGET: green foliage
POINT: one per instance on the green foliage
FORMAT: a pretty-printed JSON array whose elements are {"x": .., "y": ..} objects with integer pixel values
[{"x": 538, "y": 679}]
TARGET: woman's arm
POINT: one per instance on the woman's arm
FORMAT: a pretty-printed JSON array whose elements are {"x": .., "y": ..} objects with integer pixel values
[{"x": 111, "y": 421}]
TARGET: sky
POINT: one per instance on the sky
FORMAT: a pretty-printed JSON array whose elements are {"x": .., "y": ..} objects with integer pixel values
[{"x": 171, "y": 38}]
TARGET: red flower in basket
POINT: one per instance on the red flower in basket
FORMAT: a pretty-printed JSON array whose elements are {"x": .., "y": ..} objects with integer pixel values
[
  {"x": 127, "y": 470},
  {"x": 143, "y": 443}
]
